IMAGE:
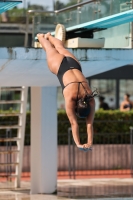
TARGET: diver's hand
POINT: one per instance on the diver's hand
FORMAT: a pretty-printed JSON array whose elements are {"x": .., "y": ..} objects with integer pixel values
[
  {"x": 47, "y": 35},
  {"x": 86, "y": 146},
  {"x": 80, "y": 145}
]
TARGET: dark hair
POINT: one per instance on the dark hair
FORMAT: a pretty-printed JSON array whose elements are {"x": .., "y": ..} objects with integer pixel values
[
  {"x": 82, "y": 108},
  {"x": 101, "y": 98},
  {"x": 128, "y": 95}
]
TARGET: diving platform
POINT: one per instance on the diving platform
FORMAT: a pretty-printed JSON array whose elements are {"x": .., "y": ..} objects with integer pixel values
[
  {"x": 7, "y": 5},
  {"x": 85, "y": 30},
  {"x": 28, "y": 66},
  {"x": 82, "y": 35}
]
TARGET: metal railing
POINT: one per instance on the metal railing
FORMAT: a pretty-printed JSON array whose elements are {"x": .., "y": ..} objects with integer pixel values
[
  {"x": 91, "y": 12},
  {"x": 112, "y": 154},
  {"x": 42, "y": 12},
  {"x": 75, "y": 6},
  {"x": 33, "y": 21}
]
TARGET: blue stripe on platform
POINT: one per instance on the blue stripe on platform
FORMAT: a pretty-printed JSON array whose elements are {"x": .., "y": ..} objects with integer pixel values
[
  {"x": 106, "y": 22},
  {"x": 7, "y": 5}
]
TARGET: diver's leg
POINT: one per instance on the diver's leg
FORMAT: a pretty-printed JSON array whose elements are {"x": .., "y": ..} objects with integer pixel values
[
  {"x": 54, "y": 58},
  {"x": 59, "y": 46}
]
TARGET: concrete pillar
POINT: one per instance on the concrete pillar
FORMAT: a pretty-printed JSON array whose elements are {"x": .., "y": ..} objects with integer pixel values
[{"x": 43, "y": 140}]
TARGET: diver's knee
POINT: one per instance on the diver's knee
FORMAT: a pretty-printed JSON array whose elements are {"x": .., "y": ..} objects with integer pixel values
[{"x": 60, "y": 48}]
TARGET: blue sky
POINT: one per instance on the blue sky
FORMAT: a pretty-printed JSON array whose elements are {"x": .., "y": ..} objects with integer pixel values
[{"x": 48, "y": 3}]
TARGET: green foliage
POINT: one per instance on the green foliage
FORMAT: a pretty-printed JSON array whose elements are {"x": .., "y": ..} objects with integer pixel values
[
  {"x": 13, "y": 120},
  {"x": 16, "y": 12},
  {"x": 58, "y": 5},
  {"x": 109, "y": 127},
  {"x": 111, "y": 121},
  {"x": 37, "y": 7},
  {"x": 73, "y": 2},
  {"x": 19, "y": 15},
  {"x": 16, "y": 15}
]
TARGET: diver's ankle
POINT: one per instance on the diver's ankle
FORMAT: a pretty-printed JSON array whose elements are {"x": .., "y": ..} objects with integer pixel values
[{"x": 87, "y": 145}]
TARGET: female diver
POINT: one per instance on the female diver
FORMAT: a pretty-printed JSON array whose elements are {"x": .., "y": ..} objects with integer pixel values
[{"x": 74, "y": 85}]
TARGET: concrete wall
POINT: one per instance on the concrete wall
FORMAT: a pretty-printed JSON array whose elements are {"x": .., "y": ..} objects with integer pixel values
[{"x": 102, "y": 157}]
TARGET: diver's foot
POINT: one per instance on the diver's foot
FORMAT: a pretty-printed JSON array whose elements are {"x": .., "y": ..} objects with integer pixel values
[
  {"x": 40, "y": 35},
  {"x": 87, "y": 145},
  {"x": 47, "y": 35}
]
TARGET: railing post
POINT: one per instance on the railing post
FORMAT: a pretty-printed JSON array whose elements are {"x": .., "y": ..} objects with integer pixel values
[
  {"x": 69, "y": 151},
  {"x": 73, "y": 159},
  {"x": 26, "y": 30},
  {"x": 131, "y": 145},
  {"x": 33, "y": 30},
  {"x": 71, "y": 165}
]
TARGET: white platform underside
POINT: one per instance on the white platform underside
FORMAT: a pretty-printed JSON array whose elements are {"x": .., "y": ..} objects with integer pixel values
[
  {"x": 20, "y": 66},
  {"x": 85, "y": 43},
  {"x": 80, "y": 43}
]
